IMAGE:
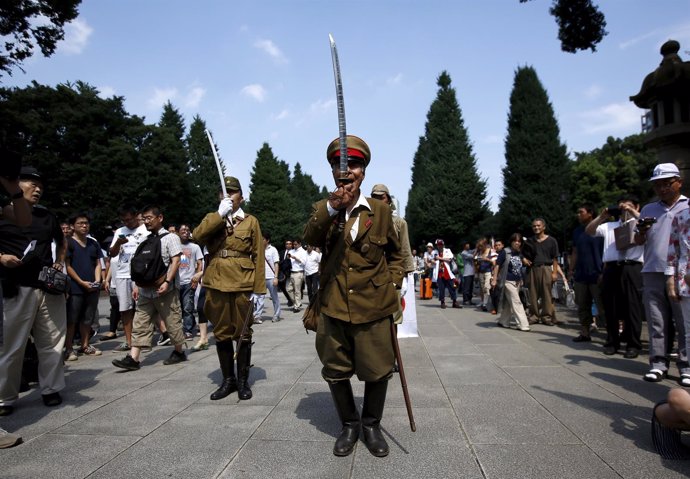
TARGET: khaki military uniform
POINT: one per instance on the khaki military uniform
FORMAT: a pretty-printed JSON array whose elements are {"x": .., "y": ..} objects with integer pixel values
[
  {"x": 235, "y": 270},
  {"x": 358, "y": 291}
]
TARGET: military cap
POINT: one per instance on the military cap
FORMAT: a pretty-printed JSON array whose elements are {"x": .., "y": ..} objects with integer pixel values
[
  {"x": 356, "y": 148},
  {"x": 379, "y": 190},
  {"x": 30, "y": 173},
  {"x": 232, "y": 184}
]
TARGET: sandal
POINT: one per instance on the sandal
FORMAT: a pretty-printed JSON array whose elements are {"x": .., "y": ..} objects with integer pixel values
[
  {"x": 200, "y": 346},
  {"x": 684, "y": 380},
  {"x": 654, "y": 375}
]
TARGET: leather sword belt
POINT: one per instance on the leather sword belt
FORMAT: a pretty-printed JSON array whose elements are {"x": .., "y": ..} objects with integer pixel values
[{"x": 229, "y": 253}]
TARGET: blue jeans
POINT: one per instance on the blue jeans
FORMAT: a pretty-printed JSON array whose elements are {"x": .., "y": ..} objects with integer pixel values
[{"x": 187, "y": 303}]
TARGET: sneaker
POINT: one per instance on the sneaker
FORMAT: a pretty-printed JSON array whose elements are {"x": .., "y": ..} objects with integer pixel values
[
  {"x": 188, "y": 336},
  {"x": 70, "y": 355},
  {"x": 52, "y": 399},
  {"x": 124, "y": 347},
  {"x": 275, "y": 319},
  {"x": 127, "y": 363},
  {"x": 164, "y": 339},
  {"x": 258, "y": 321},
  {"x": 8, "y": 440},
  {"x": 6, "y": 410},
  {"x": 175, "y": 358},
  {"x": 90, "y": 351},
  {"x": 200, "y": 346}
]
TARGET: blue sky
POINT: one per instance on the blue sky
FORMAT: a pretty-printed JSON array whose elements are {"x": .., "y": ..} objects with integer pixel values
[{"x": 260, "y": 71}]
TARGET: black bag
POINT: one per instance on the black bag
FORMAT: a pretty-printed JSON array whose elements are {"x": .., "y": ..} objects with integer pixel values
[
  {"x": 284, "y": 269},
  {"x": 53, "y": 281},
  {"x": 147, "y": 266}
]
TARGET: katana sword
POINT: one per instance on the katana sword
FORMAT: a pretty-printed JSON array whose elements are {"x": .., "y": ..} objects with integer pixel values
[
  {"x": 220, "y": 169},
  {"x": 341, "y": 111}
]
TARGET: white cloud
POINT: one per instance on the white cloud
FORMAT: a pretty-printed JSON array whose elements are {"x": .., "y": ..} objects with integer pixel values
[
  {"x": 255, "y": 91},
  {"x": 396, "y": 80},
  {"x": 592, "y": 92},
  {"x": 272, "y": 50},
  {"x": 77, "y": 35},
  {"x": 612, "y": 118},
  {"x": 161, "y": 96},
  {"x": 281, "y": 116},
  {"x": 106, "y": 91},
  {"x": 638, "y": 39},
  {"x": 194, "y": 97},
  {"x": 321, "y": 105}
]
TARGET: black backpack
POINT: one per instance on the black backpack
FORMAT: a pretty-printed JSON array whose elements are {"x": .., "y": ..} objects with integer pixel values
[{"x": 147, "y": 266}]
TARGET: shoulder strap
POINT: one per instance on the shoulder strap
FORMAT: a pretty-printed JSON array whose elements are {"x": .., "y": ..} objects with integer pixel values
[{"x": 269, "y": 265}]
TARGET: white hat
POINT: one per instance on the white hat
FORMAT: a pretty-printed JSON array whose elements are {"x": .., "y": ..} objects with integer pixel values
[
  {"x": 664, "y": 170},
  {"x": 429, "y": 245}
]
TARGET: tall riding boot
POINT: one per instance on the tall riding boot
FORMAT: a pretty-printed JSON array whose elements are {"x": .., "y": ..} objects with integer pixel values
[
  {"x": 349, "y": 417},
  {"x": 244, "y": 358},
  {"x": 227, "y": 367},
  {"x": 372, "y": 411}
]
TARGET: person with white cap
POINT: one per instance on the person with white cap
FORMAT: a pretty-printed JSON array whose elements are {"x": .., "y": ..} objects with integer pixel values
[{"x": 654, "y": 231}]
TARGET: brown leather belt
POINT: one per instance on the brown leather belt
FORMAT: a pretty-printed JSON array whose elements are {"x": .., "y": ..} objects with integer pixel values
[{"x": 229, "y": 253}]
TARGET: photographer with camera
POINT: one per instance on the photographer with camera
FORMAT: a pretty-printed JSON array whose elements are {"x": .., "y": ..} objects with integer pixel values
[
  {"x": 34, "y": 301},
  {"x": 621, "y": 282},
  {"x": 653, "y": 231}
]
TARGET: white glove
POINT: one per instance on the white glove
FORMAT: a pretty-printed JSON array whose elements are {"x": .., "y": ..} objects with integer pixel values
[
  {"x": 225, "y": 207},
  {"x": 254, "y": 298},
  {"x": 403, "y": 288}
]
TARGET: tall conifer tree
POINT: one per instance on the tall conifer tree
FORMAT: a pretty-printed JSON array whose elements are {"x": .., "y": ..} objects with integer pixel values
[
  {"x": 203, "y": 173},
  {"x": 448, "y": 197},
  {"x": 304, "y": 190},
  {"x": 271, "y": 201},
  {"x": 536, "y": 177}
]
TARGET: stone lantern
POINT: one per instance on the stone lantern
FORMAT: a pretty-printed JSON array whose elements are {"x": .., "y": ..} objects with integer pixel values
[{"x": 666, "y": 93}]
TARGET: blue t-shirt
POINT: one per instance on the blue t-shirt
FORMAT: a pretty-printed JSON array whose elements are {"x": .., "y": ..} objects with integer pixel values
[
  {"x": 83, "y": 261},
  {"x": 589, "y": 251}
]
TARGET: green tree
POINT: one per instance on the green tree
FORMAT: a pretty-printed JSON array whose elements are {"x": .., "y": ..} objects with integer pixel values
[
  {"x": 620, "y": 166},
  {"x": 537, "y": 171},
  {"x": 305, "y": 192},
  {"x": 164, "y": 167},
  {"x": 581, "y": 25},
  {"x": 25, "y": 24},
  {"x": 448, "y": 197},
  {"x": 202, "y": 173},
  {"x": 271, "y": 201}
]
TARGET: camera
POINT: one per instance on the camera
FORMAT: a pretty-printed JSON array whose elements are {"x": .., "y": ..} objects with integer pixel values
[
  {"x": 645, "y": 222},
  {"x": 614, "y": 210}
]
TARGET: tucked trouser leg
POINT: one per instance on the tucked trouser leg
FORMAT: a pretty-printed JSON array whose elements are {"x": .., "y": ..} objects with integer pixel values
[
  {"x": 225, "y": 352},
  {"x": 349, "y": 417},
  {"x": 372, "y": 412}
]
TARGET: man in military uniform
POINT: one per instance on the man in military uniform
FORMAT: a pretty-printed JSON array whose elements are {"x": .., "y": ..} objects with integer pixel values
[
  {"x": 361, "y": 270},
  {"x": 233, "y": 276}
]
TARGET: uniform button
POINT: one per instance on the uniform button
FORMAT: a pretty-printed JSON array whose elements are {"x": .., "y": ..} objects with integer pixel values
[
  {"x": 350, "y": 292},
  {"x": 349, "y": 269}
]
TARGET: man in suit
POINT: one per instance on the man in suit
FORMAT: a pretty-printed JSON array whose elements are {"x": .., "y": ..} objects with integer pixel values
[{"x": 361, "y": 270}]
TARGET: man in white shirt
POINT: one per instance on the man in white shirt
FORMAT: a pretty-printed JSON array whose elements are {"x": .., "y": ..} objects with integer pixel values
[
  {"x": 311, "y": 271},
  {"x": 622, "y": 279},
  {"x": 298, "y": 256},
  {"x": 272, "y": 261},
  {"x": 125, "y": 242},
  {"x": 191, "y": 263}
]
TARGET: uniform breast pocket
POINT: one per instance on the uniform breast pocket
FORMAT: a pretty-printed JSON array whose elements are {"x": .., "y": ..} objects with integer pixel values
[{"x": 372, "y": 248}]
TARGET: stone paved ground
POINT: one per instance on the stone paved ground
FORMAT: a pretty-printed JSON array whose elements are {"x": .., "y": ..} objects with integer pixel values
[{"x": 488, "y": 403}]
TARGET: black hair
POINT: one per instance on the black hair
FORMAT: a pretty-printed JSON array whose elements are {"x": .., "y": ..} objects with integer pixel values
[
  {"x": 74, "y": 217},
  {"x": 155, "y": 209},
  {"x": 127, "y": 208}
]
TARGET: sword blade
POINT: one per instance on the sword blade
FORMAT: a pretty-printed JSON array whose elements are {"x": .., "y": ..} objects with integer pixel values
[
  {"x": 220, "y": 169},
  {"x": 341, "y": 108}
]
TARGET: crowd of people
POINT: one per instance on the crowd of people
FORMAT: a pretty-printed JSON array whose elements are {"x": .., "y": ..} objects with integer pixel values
[{"x": 627, "y": 264}]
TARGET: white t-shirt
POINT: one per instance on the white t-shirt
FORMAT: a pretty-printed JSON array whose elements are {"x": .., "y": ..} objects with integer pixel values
[
  {"x": 272, "y": 257},
  {"x": 191, "y": 253},
  {"x": 134, "y": 238},
  {"x": 611, "y": 253},
  {"x": 311, "y": 266},
  {"x": 298, "y": 264}
]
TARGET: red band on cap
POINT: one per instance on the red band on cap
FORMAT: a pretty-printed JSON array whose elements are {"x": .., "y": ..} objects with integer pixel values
[{"x": 350, "y": 152}]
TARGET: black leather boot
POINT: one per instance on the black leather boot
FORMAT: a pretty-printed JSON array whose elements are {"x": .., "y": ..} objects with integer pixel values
[
  {"x": 244, "y": 358},
  {"x": 349, "y": 417},
  {"x": 372, "y": 411},
  {"x": 225, "y": 353}
]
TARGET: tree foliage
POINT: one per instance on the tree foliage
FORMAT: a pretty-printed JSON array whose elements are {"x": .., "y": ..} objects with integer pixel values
[
  {"x": 537, "y": 171},
  {"x": 304, "y": 190},
  {"x": 447, "y": 198},
  {"x": 25, "y": 24},
  {"x": 271, "y": 200},
  {"x": 620, "y": 166},
  {"x": 202, "y": 173},
  {"x": 581, "y": 25}
]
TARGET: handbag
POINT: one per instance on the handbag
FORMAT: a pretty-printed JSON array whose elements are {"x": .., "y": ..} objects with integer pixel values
[
  {"x": 53, "y": 281},
  {"x": 454, "y": 266},
  {"x": 310, "y": 319},
  {"x": 625, "y": 235}
]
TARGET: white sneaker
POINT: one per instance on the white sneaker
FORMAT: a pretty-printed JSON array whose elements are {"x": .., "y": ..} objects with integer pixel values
[{"x": 71, "y": 355}]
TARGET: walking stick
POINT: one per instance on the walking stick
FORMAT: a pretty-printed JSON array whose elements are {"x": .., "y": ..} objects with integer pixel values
[
  {"x": 250, "y": 315},
  {"x": 401, "y": 370}
]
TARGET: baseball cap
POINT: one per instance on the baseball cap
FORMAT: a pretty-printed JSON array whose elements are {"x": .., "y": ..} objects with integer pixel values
[{"x": 664, "y": 170}]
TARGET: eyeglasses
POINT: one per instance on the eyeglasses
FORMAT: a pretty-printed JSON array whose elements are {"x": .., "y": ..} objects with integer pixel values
[
  {"x": 666, "y": 184},
  {"x": 149, "y": 218}
]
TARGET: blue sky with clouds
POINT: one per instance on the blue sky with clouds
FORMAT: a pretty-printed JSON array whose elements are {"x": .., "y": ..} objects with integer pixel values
[{"x": 260, "y": 71}]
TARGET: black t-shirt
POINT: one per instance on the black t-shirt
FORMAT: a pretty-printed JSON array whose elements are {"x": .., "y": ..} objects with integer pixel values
[
  {"x": 44, "y": 228},
  {"x": 545, "y": 251}
]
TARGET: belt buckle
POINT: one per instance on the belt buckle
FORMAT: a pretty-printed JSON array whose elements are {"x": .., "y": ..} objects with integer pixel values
[{"x": 223, "y": 253}]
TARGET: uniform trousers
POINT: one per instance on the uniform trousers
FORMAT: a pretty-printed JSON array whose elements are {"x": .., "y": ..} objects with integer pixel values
[
  {"x": 228, "y": 311},
  {"x": 585, "y": 294},
  {"x": 622, "y": 298},
  {"x": 540, "y": 300},
  {"x": 660, "y": 313},
  {"x": 32, "y": 311},
  {"x": 147, "y": 309},
  {"x": 363, "y": 349}
]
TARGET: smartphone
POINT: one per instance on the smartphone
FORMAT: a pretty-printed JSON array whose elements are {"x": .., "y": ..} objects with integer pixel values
[
  {"x": 122, "y": 236},
  {"x": 614, "y": 210},
  {"x": 646, "y": 222}
]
